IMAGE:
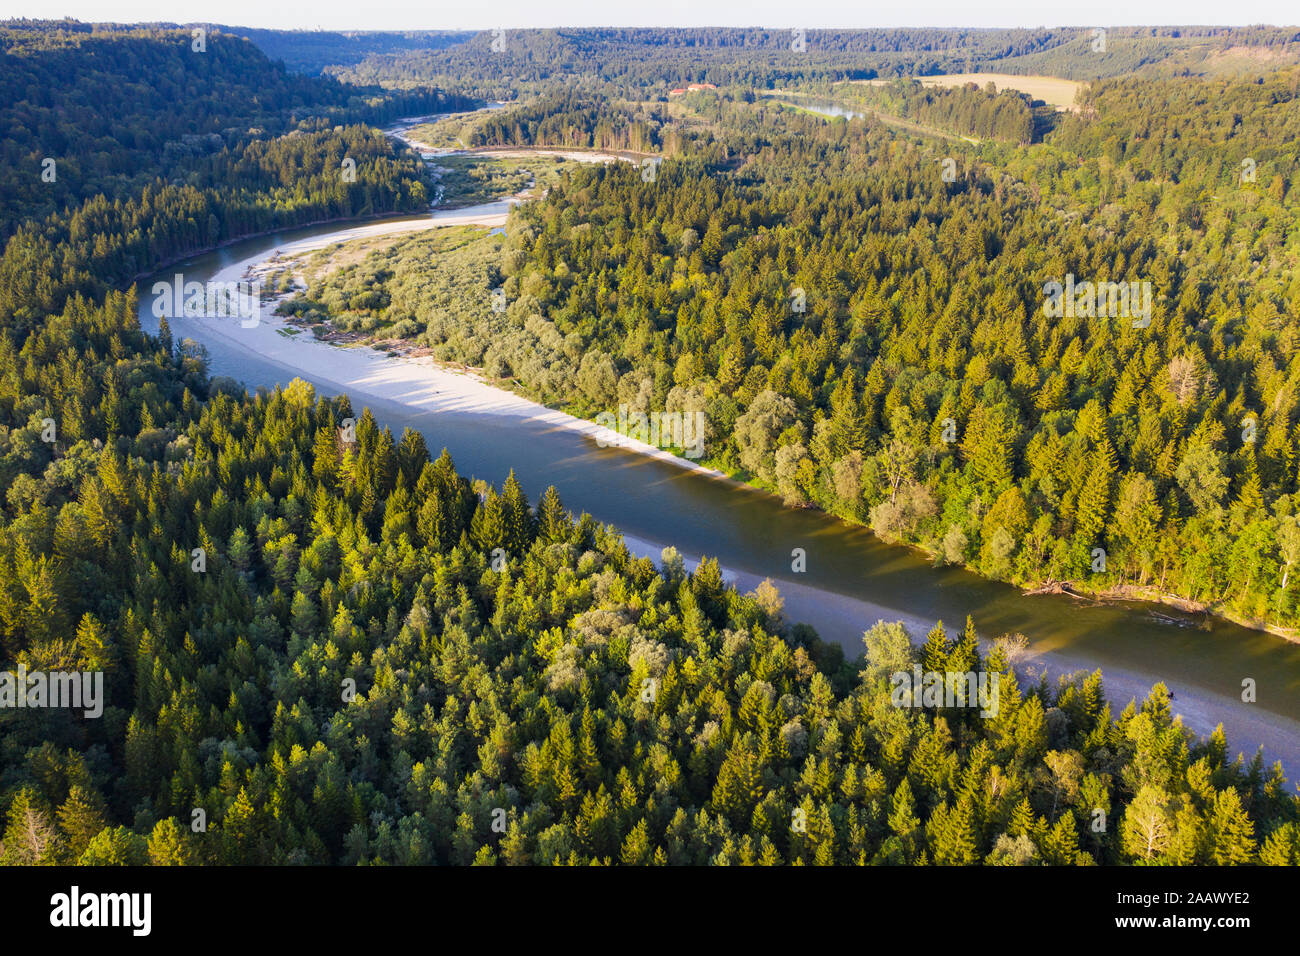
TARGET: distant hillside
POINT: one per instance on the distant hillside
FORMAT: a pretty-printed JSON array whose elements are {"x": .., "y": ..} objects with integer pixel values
[
  {"x": 310, "y": 51},
  {"x": 1167, "y": 51},
  {"x": 617, "y": 61}
]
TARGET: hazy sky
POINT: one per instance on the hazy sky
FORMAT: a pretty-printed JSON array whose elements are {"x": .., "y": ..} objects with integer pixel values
[{"x": 440, "y": 14}]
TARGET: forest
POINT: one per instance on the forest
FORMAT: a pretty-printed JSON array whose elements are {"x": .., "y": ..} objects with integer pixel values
[
  {"x": 568, "y": 119},
  {"x": 377, "y": 662},
  {"x": 968, "y": 111},
  {"x": 322, "y": 644}
]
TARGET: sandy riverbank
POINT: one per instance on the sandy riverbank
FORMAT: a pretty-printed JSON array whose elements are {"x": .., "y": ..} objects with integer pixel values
[
  {"x": 363, "y": 372},
  {"x": 429, "y": 151}
]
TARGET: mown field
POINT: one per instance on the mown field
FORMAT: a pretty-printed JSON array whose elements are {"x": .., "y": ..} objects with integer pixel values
[{"x": 1052, "y": 90}]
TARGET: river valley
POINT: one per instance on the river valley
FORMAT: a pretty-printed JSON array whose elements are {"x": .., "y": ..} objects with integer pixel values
[{"x": 852, "y": 579}]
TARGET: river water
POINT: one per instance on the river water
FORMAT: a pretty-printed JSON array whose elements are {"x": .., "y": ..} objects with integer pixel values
[
  {"x": 822, "y": 107},
  {"x": 851, "y": 578}
]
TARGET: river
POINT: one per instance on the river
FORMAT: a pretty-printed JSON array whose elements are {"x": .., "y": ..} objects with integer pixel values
[{"x": 851, "y": 579}]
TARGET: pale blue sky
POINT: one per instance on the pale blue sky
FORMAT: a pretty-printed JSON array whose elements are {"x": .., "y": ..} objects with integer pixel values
[{"x": 439, "y": 14}]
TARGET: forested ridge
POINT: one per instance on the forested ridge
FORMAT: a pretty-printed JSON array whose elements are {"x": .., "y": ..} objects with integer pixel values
[
  {"x": 625, "y": 61},
  {"x": 311, "y": 51},
  {"x": 172, "y": 163},
  {"x": 105, "y": 106},
  {"x": 323, "y": 645},
  {"x": 295, "y": 179},
  {"x": 615, "y": 61}
]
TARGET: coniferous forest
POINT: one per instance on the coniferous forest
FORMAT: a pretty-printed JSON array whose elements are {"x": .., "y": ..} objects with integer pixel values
[{"x": 323, "y": 644}]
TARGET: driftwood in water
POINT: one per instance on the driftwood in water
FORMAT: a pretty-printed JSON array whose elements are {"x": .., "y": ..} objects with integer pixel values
[
  {"x": 1176, "y": 621},
  {"x": 1055, "y": 587}
]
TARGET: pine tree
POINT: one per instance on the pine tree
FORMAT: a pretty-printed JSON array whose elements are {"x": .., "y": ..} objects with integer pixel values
[
  {"x": 934, "y": 652},
  {"x": 553, "y": 521},
  {"x": 412, "y": 456},
  {"x": 519, "y": 525},
  {"x": 1094, "y": 498},
  {"x": 951, "y": 836},
  {"x": 80, "y": 818},
  {"x": 1231, "y": 832},
  {"x": 170, "y": 845},
  {"x": 488, "y": 529},
  {"x": 325, "y": 464}
]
